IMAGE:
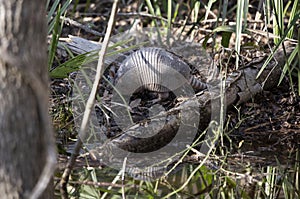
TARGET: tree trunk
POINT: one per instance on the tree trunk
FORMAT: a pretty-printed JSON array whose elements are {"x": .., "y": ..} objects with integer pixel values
[{"x": 26, "y": 144}]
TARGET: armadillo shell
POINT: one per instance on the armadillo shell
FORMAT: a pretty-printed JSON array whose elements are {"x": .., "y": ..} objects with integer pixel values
[{"x": 155, "y": 68}]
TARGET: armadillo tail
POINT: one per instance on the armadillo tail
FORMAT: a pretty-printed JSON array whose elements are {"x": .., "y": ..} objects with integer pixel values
[{"x": 197, "y": 84}]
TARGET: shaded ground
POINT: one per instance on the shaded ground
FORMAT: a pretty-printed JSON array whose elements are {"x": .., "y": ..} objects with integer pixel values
[
  {"x": 270, "y": 126},
  {"x": 262, "y": 130}
]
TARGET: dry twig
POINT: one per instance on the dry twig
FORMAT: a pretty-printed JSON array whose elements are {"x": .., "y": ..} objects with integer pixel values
[{"x": 89, "y": 105}]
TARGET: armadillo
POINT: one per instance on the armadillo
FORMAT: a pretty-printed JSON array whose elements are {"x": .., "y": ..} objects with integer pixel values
[{"x": 153, "y": 66}]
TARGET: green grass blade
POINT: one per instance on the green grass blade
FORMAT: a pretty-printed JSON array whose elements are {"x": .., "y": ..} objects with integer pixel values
[
  {"x": 287, "y": 66},
  {"x": 276, "y": 48},
  {"x": 175, "y": 12},
  {"x": 73, "y": 64},
  {"x": 195, "y": 11},
  {"x": 169, "y": 13},
  {"x": 224, "y": 11},
  {"x": 151, "y": 9},
  {"x": 278, "y": 27},
  {"x": 298, "y": 80},
  {"x": 293, "y": 14},
  {"x": 245, "y": 13},
  {"x": 66, "y": 5},
  {"x": 226, "y": 34},
  {"x": 169, "y": 21},
  {"x": 267, "y": 10},
  {"x": 52, "y": 10},
  {"x": 63, "y": 9},
  {"x": 54, "y": 41},
  {"x": 298, "y": 45},
  {"x": 239, "y": 23},
  {"x": 67, "y": 49},
  {"x": 78, "y": 61},
  {"x": 47, "y": 4},
  {"x": 159, "y": 13}
]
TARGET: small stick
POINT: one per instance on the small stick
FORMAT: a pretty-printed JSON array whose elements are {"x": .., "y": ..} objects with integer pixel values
[
  {"x": 82, "y": 132},
  {"x": 79, "y": 25}
]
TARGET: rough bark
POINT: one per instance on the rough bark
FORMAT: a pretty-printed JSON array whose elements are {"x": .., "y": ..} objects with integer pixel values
[{"x": 26, "y": 146}]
